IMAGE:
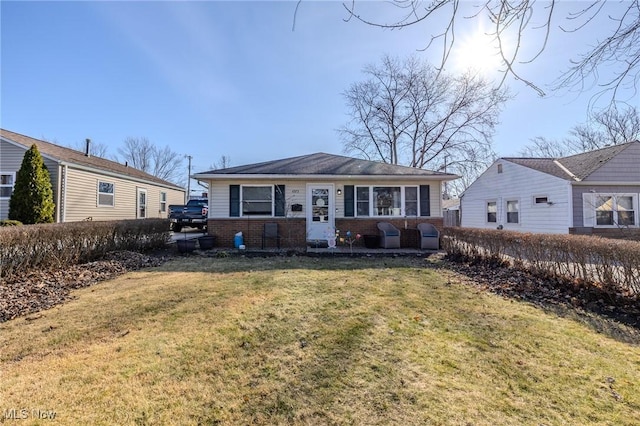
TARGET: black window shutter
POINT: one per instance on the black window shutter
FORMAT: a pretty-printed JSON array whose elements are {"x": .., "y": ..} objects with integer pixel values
[
  {"x": 425, "y": 205},
  {"x": 349, "y": 201},
  {"x": 280, "y": 201},
  {"x": 234, "y": 200}
]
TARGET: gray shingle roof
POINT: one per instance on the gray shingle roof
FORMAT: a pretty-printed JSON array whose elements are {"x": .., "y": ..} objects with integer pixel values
[
  {"x": 326, "y": 164},
  {"x": 545, "y": 165},
  {"x": 573, "y": 167},
  {"x": 72, "y": 156}
]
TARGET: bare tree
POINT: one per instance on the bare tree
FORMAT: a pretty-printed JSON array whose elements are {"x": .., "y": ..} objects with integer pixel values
[
  {"x": 223, "y": 162},
  {"x": 604, "y": 128},
  {"x": 407, "y": 112},
  {"x": 530, "y": 24},
  {"x": 144, "y": 155},
  {"x": 96, "y": 149}
]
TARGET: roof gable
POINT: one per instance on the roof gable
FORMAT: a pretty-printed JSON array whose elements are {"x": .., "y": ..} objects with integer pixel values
[
  {"x": 574, "y": 167},
  {"x": 71, "y": 156},
  {"x": 582, "y": 165},
  {"x": 326, "y": 164}
]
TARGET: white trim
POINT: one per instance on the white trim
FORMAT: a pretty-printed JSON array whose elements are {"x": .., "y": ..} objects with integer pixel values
[
  {"x": 113, "y": 194},
  {"x": 306, "y": 177},
  {"x": 140, "y": 191},
  {"x": 567, "y": 171},
  {"x": 273, "y": 200},
  {"x": 486, "y": 211},
  {"x": 600, "y": 183},
  {"x": 506, "y": 211},
  {"x": 13, "y": 184},
  {"x": 331, "y": 208}
]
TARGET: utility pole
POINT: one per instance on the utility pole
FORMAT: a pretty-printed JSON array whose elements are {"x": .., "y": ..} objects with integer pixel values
[{"x": 188, "y": 195}]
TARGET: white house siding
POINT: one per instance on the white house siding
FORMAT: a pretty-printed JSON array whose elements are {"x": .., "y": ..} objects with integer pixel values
[
  {"x": 11, "y": 157},
  {"x": 295, "y": 193},
  {"x": 520, "y": 183},
  {"x": 81, "y": 201}
]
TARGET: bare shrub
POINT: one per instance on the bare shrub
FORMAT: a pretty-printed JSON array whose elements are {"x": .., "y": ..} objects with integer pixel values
[
  {"x": 60, "y": 244},
  {"x": 614, "y": 265}
]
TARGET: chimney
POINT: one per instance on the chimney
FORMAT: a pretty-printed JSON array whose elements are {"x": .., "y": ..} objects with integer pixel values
[{"x": 87, "y": 151}]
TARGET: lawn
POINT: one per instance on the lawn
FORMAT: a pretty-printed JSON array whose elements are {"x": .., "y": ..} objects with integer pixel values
[{"x": 309, "y": 341}]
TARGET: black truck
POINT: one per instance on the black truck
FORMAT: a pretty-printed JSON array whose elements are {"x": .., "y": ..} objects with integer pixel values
[{"x": 193, "y": 214}]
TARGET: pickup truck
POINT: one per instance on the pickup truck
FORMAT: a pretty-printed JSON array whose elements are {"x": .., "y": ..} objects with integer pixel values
[{"x": 193, "y": 214}]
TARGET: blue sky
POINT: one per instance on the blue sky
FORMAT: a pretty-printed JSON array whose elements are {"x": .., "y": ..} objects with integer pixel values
[{"x": 214, "y": 78}]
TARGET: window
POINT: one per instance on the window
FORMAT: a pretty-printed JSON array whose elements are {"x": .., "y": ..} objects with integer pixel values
[
  {"x": 540, "y": 200},
  {"x": 390, "y": 200},
  {"x": 411, "y": 201},
  {"x": 512, "y": 211},
  {"x": 499, "y": 168},
  {"x": 163, "y": 202},
  {"x": 6, "y": 184},
  {"x": 362, "y": 200},
  {"x": 387, "y": 201},
  {"x": 615, "y": 210},
  {"x": 106, "y": 196},
  {"x": 257, "y": 200},
  {"x": 492, "y": 212}
]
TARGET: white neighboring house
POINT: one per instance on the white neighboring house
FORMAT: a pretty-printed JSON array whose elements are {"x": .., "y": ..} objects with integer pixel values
[{"x": 595, "y": 192}]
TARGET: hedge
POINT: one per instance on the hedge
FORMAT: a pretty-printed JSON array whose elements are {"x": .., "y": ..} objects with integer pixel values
[
  {"x": 614, "y": 265},
  {"x": 56, "y": 245}
]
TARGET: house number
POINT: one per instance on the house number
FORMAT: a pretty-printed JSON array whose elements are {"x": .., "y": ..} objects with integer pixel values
[{"x": 295, "y": 191}]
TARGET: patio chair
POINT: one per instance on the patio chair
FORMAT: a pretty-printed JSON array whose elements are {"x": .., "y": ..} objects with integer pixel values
[
  {"x": 270, "y": 231},
  {"x": 429, "y": 236},
  {"x": 389, "y": 235}
]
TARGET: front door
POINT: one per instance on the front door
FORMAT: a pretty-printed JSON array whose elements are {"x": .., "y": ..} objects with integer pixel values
[{"x": 321, "y": 212}]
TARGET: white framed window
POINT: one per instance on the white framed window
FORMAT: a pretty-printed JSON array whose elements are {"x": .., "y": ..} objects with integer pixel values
[
  {"x": 492, "y": 212},
  {"x": 616, "y": 209},
  {"x": 106, "y": 194},
  {"x": 513, "y": 211},
  {"x": 7, "y": 180},
  {"x": 163, "y": 202},
  {"x": 540, "y": 200},
  {"x": 411, "y": 201},
  {"x": 387, "y": 201},
  {"x": 362, "y": 201},
  {"x": 257, "y": 200}
]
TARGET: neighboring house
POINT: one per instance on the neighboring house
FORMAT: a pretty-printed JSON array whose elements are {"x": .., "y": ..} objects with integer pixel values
[
  {"x": 591, "y": 193},
  {"x": 87, "y": 187},
  {"x": 312, "y": 195}
]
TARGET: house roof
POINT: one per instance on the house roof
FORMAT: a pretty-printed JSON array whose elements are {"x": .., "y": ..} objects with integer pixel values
[
  {"x": 574, "y": 167},
  {"x": 72, "y": 156},
  {"x": 325, "y": 164}
]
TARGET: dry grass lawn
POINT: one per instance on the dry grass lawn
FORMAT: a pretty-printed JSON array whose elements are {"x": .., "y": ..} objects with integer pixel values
[{"x": 309, "y": 341}]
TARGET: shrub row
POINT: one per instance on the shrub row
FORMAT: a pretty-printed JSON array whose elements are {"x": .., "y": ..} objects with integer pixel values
[
  {"x": 612, "y": 264},
  {"x": 56, "y": 245}
]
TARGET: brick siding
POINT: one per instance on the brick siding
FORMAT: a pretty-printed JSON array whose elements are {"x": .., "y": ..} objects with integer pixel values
[{"x": 293, "y": 231}]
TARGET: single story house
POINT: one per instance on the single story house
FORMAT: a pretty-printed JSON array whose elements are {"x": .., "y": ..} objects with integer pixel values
[
  {"x": 595, "y": 192},
  {"x": 86, "y": 187},
  {"x": 311, "y": 196}
]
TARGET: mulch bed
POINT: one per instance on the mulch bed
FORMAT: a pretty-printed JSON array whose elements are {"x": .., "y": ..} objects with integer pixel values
[
  {"x": 37, "y": 290},
  {"x": 615, "y": 315}
]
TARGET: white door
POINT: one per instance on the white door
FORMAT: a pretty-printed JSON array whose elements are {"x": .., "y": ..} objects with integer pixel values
[
  {"x": 321, "y": 212},
  {"x": 142, "y": 204}
]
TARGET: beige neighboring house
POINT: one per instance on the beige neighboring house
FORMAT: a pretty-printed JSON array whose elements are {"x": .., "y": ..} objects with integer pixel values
[{"x": 86, "y": 187}]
